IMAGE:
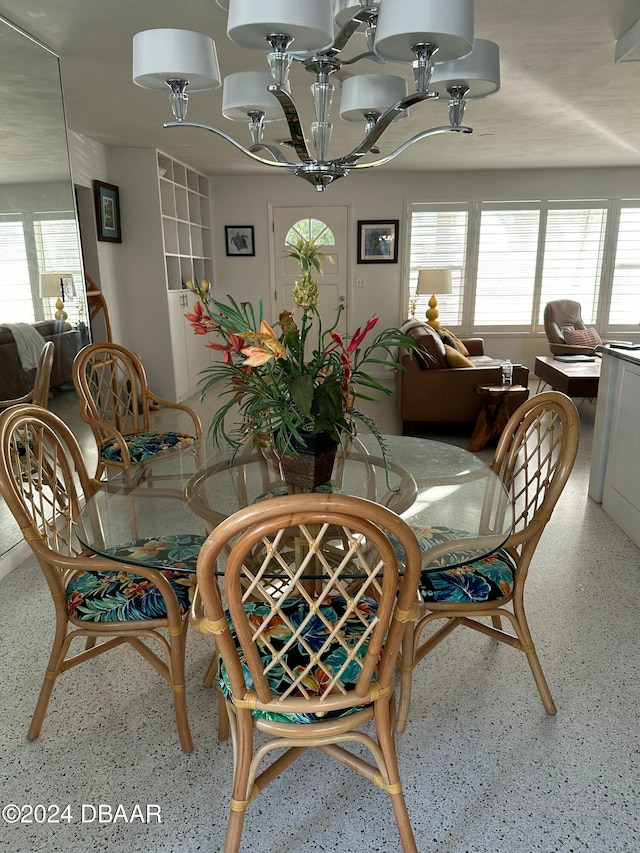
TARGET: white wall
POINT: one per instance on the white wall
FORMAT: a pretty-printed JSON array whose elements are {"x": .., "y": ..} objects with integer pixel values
[
  {"x": 370, "y": 195},
  {"x": 89, "y": 162},
  {"x": 375, "y": 195}
]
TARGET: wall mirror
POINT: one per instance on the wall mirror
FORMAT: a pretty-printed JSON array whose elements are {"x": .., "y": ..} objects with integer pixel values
[{"x": 41, "y": 275}]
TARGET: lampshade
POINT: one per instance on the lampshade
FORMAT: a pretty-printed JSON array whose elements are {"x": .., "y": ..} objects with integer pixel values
[
  {"x": 55, "y": 284},
  {"x": 479, "y": 72},
  {"x": 434, "y": 281},
  {"x": 370, "y": 93},
  {"x": 246, "y": 92},
  {"x": 166, "y": 54},
  {"x": 308, "y": 22},
  {"x": 404, "y": 23}
]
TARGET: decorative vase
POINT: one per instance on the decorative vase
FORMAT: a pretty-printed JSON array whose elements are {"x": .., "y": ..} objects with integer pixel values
[{"x": 312, "y": 466}]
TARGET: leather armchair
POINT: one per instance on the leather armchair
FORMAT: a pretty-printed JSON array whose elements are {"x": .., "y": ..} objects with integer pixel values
[{"x": 558, "y": 316}]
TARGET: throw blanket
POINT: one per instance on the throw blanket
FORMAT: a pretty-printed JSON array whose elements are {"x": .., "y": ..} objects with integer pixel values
[{"x": 29, "y": 343}]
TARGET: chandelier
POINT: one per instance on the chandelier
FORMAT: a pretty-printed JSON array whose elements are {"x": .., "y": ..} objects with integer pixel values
[{"x": 435, "y": 37}]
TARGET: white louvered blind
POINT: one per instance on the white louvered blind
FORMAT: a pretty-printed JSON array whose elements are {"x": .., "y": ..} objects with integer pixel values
[
  {"x": 439, "y": 240},
  {"x": 625, "y": 292},
  {"x": 572, "y": 261},
  {"x": 507, "y": 258},
  {"x": 56, "y": 240},
  {"x": 16, "y": 303}
]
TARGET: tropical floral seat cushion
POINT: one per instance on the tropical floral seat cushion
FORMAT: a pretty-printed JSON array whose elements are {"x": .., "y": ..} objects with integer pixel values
[
  {"x": 143, "y": 445},
  {"x": 486, "y": 579},
  {"x": 115, "y": 596},
  {"x": 298, "y": 656}
]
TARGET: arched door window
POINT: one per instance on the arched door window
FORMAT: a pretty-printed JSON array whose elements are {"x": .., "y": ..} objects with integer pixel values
[{"x": 308, "y": 228}]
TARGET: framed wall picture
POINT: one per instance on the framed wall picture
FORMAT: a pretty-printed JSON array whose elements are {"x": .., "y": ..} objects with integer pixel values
[
  {"x": 239, "y": 240},
  {"x": 378, "y": 241},
  {"x": 107, "y": 204}
]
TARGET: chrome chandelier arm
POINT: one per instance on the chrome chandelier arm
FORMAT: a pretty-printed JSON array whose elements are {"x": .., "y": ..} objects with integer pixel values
[
  {"x": 434, "y": 131},
  {"x": 293, "y": 121},
  {"x": 285, "y": 165},
  {"x": 383, "y": 123},
  {"x": 275, "y": 152}
]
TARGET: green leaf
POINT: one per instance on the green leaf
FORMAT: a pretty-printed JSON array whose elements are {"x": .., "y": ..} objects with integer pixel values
[{"x": 301, "y": 389}]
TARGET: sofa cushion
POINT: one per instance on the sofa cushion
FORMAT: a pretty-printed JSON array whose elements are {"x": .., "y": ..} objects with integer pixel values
[
  {"x": 454, "y": 341},
  {"x": 455, "y": 358},
  {"x": 429, "y": 342},
  {"x": 582, "y": 337}
]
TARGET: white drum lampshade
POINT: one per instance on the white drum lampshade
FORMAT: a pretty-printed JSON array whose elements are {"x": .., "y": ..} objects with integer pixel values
[
  {"x": 403, "y": 23},
  {"x": 168, "y": 54},
  {"x": 371, "y": 93},
  {"x": 246, "y": 92},
  {"x": 308, "y": 22},
  {"x": 479, "y": 71}
]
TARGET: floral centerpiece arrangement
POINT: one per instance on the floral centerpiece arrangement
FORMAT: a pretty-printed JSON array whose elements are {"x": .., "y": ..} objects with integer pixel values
[{"x": 295, "y": 380}]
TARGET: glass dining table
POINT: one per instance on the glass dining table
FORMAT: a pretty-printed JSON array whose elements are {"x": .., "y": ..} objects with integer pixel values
[{"x": 454, "y": 501}]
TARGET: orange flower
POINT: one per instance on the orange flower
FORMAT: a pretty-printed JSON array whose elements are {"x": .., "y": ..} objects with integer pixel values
[{"x": 268, "y": 346}]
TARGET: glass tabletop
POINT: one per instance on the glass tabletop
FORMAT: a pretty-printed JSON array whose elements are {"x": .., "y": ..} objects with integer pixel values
[{"x": 456, "y": 504}]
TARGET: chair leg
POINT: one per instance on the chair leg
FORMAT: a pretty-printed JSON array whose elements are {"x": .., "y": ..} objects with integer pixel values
[
  {"x": 177, "y": 650},
  {"x": 210, "y": 674},
  {"x": 541, "y": 681},
  {"x": 242, "y": 763},
  {"x": 384, "y": 731},
  {"x": 406, "y": 663},
  {"x": 58, "y": 653},
  {"x": 521, "y": 627}
]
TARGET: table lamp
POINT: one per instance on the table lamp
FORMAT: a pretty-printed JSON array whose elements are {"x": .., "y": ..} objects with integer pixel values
[
  {"x": 59, "y": 285},
  {"x": 433, "y": 281}
]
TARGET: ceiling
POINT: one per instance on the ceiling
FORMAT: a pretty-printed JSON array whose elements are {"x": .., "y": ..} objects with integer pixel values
[{"x": 564, "y": 101}]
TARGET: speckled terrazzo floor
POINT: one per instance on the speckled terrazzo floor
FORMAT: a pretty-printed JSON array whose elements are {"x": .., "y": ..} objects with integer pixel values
[{"x": 485, "y": 770}]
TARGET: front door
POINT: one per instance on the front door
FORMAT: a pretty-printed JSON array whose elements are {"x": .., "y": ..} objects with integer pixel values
[{"x": 329, "y": 225}]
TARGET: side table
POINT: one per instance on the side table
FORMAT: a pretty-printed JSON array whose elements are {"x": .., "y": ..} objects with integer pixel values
[{"x": 494, "y": 414}]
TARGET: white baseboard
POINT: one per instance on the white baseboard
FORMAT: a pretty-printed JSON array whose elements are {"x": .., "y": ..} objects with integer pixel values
[{"x": 13, "y": 557}]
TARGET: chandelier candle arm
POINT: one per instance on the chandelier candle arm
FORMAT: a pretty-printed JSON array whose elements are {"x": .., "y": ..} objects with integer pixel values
[{"x": 435, "y": 37}]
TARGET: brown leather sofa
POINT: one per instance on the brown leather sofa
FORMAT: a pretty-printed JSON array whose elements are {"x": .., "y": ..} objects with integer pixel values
[
  {"x": 429, "y": 391},
  {"x": 15, "y": 381}
]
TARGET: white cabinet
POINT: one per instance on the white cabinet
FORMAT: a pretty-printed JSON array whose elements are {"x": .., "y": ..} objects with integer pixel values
[
  {"x": 615, "y": 465},
  {"x": 166, "y": 239},
  {"x": 190, "y": 352}
]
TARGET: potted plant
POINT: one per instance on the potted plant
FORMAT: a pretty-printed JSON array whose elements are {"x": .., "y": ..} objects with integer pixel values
[{"x": 295, "y": 382}]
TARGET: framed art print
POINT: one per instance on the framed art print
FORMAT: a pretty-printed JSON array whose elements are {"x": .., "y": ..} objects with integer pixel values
[
  {"x": 239, "y": 240},
  {"x": 107, "y": 204},
  {"x": 378, "y": 241}
]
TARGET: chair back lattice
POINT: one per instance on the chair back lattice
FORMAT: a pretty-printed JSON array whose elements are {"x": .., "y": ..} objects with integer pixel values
[
  {"x": 112, "y": 386},
  {"x": 39, "y": 458},
  {"x": 315, "y": 602},
  {"x": 535, "y": 456}
]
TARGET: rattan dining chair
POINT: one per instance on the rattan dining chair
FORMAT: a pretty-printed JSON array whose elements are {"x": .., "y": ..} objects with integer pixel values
[
  {"x": 116, "y": 402},
  {"x": 39, "y": 394},
  {"x": 313, "y": 616},
  {"x": 534, "y": 457},
  {"x": 94, "y": 598}
]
